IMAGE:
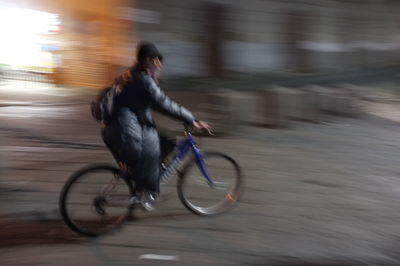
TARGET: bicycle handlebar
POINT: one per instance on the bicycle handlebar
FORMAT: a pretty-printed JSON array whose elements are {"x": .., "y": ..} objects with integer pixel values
[{"x": 188, "y": 129}]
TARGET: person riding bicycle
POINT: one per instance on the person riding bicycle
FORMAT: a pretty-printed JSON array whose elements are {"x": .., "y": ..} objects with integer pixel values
[{"x": 131, "y": 134}]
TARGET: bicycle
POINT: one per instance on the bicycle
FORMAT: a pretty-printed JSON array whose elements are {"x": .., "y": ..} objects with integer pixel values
[{"x": 109, "y": 197}]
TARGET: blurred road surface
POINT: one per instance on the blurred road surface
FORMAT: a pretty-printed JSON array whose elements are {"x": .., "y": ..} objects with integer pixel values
[{"x": 316, "y": 194}]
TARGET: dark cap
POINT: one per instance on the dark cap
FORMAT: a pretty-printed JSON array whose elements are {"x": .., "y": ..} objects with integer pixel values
[{"x": 147, "y": 50}]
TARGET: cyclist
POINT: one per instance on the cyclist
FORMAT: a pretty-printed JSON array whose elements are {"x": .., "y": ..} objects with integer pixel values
[{"x": 131, "y": 134}]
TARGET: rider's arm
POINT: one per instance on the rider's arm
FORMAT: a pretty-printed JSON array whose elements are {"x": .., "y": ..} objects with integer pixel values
[{"x": 163, "y": 104}]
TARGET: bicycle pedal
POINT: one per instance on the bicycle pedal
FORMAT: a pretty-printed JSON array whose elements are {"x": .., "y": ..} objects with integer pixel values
[
  {"x": 148, "y": 206},
  {"x": 134, "y": 200}
]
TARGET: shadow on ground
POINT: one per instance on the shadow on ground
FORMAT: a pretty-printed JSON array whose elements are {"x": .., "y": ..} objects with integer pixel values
[{"x": 15, "y": 232}]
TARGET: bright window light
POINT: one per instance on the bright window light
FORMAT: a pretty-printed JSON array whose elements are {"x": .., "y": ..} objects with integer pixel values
[{"x": 23, "y": 34}]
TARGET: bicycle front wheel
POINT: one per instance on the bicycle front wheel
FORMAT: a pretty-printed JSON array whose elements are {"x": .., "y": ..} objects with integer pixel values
[
  {"x": 203, "y": 198},
  {"x": 95, "y": 200}
]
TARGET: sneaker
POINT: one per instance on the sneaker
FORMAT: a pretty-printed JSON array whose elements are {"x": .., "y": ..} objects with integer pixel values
[{"x": 148, "y": 200}]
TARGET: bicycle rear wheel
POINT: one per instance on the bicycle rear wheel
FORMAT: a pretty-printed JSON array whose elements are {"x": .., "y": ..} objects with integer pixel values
[
  {"x": 202, "y": 198},
  {"x": 95, "y": 200}
]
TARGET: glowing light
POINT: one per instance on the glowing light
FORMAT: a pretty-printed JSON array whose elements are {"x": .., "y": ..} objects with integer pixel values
[{"x": 22, "y": 36}]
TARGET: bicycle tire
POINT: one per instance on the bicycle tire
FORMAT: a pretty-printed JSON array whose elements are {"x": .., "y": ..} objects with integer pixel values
[
  {"x": 229, "y": 199},
  {"x": 90, "y": 230}
]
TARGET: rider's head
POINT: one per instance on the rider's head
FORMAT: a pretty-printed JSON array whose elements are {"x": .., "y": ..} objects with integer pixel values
[{"x": 149, "y": 58}]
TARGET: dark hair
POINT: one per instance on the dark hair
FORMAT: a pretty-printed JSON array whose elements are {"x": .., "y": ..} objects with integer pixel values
[
  {"x": 125, "y": 77},
  {"x": 145, "y": 50}
]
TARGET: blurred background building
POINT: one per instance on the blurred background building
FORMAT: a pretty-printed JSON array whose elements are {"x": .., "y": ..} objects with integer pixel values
[
  {"x": 69, "y": 42},
  {"x": 215, "y": 37},
  {"x": 86, "y": 43}
]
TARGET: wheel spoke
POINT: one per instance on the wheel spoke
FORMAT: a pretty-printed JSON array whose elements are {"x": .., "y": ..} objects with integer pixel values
[
  {"x": 203, "y": 198},
  {"x": 95, "y": 200}
]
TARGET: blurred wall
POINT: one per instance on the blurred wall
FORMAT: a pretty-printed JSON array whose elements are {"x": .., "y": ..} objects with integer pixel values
[
  {"x": 221, "y": 37},
  {"x": 257, "y": 36},
  {"x": 94, "y": 42}
]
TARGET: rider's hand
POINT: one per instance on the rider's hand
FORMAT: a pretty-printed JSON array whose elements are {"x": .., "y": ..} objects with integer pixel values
[{"x": 201, "y": 125}]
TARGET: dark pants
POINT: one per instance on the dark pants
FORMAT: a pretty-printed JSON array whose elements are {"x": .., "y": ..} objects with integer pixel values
[
  {"x": 142, "y": 161},
  {"x": 167, "y": 145}
]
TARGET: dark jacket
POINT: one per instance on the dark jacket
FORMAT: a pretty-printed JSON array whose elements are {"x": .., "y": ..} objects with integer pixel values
[{"x": 131, "y": 135}]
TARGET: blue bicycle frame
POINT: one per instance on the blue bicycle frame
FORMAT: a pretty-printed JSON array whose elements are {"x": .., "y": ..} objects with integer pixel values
[{"x": 183, "y": 148}]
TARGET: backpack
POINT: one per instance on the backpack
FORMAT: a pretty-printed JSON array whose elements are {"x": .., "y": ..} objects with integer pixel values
[{"x": 102, "y": 107}]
